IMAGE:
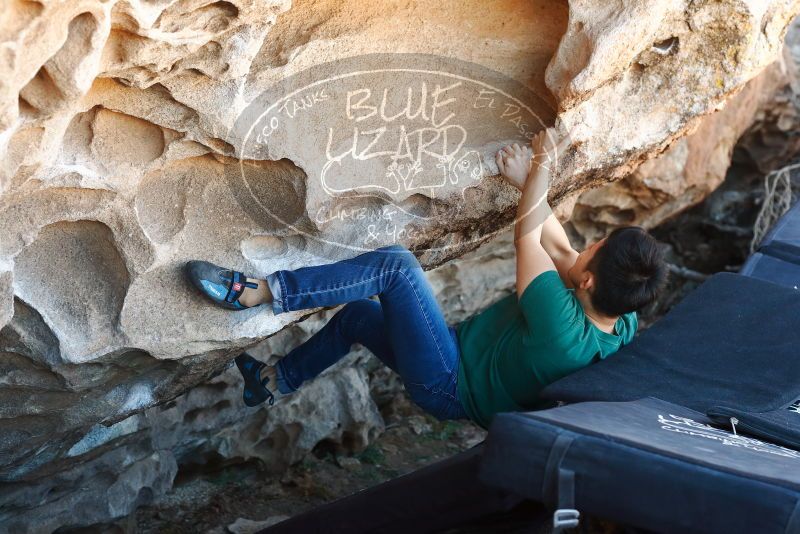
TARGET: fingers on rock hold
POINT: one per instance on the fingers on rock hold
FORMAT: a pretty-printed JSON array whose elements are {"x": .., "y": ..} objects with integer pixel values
[{"x": 500, "y": 163}]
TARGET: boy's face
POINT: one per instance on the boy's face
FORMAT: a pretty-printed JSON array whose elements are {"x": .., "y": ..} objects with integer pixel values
[{"x": 579, "y": 273}]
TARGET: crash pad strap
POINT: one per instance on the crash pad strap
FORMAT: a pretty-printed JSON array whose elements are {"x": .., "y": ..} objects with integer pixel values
[
  {"x": 566, "y": 488},
  {"x": 551, "y": 485}
]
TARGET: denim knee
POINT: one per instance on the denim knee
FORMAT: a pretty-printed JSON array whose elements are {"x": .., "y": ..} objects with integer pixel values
[{"x": 401, "y": 256}]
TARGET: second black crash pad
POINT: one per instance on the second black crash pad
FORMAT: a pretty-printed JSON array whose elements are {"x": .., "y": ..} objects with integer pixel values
[
  {"x": 778, "y": 255},
  {"x": 786, "y": 231},
  {"x": 732, "y": 342},
  {"x": 647, "y": 463},
  {"x": 772, "y": 269}
]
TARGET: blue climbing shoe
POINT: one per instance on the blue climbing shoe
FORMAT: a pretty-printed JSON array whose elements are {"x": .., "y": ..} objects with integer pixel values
[
  {"x": 255, "y": 389},
  {"x": 222, "y": 286}
]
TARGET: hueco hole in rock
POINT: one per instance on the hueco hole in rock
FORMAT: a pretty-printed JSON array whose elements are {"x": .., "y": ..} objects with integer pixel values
[{"x": 399, "y": 266}]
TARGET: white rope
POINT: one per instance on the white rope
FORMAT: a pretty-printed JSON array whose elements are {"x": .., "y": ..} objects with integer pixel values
[{"x": 777, "y": 201}]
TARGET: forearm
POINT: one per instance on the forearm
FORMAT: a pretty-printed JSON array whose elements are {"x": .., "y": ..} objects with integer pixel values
[
  {"x": 533, "y": 209},
  {"x": 532, "y": 212},
  {"x": 553, "y": 237}
]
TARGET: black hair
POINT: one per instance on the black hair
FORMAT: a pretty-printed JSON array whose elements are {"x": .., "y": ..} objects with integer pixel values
[{"x": 629, "y": 271}]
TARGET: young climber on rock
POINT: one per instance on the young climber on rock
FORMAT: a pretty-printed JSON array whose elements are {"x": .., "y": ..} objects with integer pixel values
[{"x": 570, "y": 309}]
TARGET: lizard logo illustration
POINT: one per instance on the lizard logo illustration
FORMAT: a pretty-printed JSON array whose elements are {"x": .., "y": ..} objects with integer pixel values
[
  {"x": 408, "y": 176},
  {"x": 466, "y": 169}
]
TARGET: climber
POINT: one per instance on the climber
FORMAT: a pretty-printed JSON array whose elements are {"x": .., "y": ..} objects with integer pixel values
[{"x": 569, "y": 310}]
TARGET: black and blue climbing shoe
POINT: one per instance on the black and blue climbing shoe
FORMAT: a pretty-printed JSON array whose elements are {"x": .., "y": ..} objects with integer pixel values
[
  {"x": 222, "y": 286},
  {"x": 255, "y": 389}
]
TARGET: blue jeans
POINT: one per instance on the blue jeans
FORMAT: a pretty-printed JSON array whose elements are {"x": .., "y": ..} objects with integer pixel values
[{"x": 405, "y": 330}]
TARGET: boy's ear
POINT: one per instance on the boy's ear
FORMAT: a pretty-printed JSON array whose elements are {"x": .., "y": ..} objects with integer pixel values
[{"x": 587, "y": 280}]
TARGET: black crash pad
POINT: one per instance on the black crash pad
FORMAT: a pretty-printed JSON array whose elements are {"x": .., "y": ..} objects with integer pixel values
[
  {"x": 647, "y": 463},
  {"x": 772, "y": 269},
  {"x": 733, "y": 342},
  {"x": 440, "y": 496},
  {"x": 780, "y": 247},
  {"x": 786, "y": 230}
]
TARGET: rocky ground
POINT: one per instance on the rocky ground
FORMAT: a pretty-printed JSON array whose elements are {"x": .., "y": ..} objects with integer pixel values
[{"x": 212, "y": 499}]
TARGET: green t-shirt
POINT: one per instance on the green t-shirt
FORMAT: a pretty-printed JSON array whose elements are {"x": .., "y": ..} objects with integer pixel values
[{"x": 514, "y": 348}]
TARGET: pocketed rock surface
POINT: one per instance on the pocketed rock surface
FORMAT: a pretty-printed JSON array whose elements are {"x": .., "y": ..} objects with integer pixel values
[{"x": 137, "y": 135}]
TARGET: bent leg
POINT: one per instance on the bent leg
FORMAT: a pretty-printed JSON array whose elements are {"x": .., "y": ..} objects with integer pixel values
[
  {"x": 413, "y": 319},
  {"x": 357, "y": 322},
  {"x": 424, "y": 348}
]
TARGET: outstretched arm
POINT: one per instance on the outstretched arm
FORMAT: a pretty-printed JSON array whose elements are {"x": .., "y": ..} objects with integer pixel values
[
  {"x": 521, "y": 167},
  {"x": 533, "y": 210}
]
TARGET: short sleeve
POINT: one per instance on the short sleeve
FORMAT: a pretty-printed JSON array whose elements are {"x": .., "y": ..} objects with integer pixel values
[
  {"x": 549, "y": 308},
  {"x": 631, "y": 322}
]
